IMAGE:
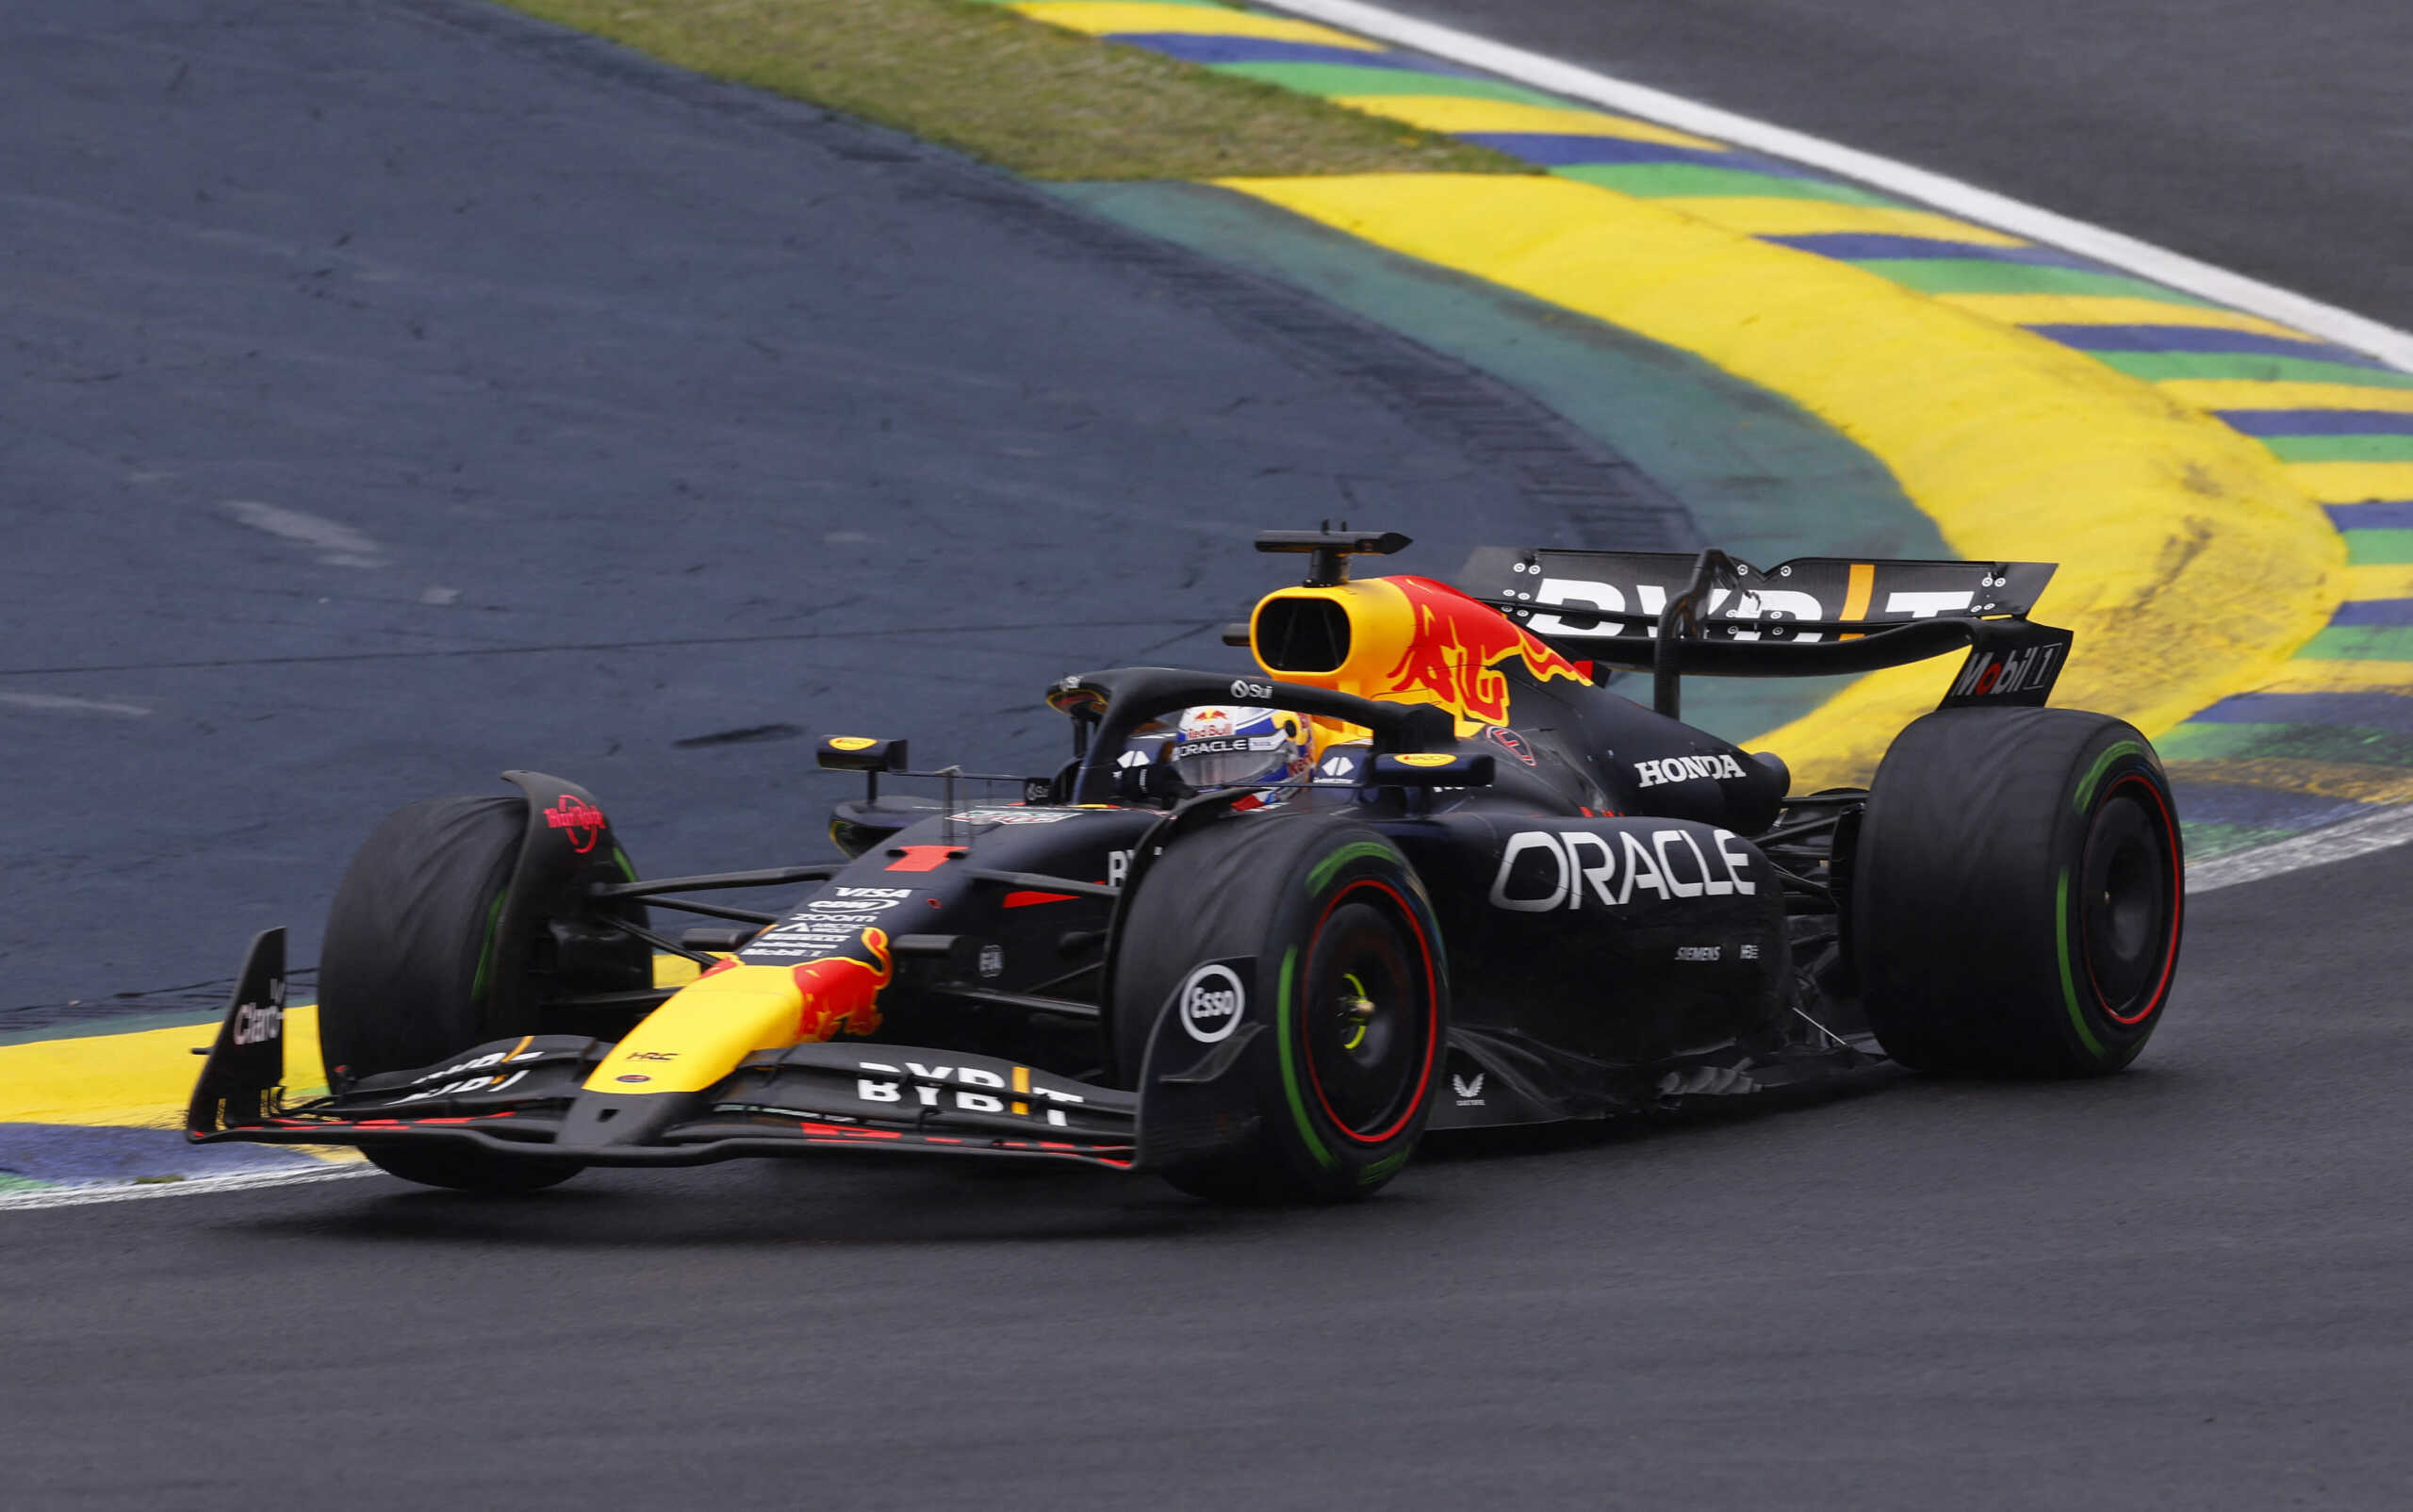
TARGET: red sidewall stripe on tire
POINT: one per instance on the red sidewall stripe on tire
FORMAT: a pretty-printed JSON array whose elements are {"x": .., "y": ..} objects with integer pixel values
[
  {"x": 2178, "y": 902},
  {"x": 1432, "y": 1016}
]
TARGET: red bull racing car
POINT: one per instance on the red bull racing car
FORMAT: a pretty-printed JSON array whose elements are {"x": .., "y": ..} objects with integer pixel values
[{"x": 1420, "y": 869}]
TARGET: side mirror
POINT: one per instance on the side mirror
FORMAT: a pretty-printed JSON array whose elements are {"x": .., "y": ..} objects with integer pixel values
[{"x": 860, "y": 753}]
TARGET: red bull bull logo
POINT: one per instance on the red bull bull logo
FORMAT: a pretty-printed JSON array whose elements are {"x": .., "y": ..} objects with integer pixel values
[
  {"x": 1205, "y": 724},
  {"x": 1455, "y": 650},
  {"x": 841, "y": 993}
]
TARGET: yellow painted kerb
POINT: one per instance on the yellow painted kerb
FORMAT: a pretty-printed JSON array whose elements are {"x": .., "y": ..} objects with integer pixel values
[
  {"x": 142, "y": 1079},
  {"x": 2192, "y": 563},
  {"x": 1104, "y": 18}
]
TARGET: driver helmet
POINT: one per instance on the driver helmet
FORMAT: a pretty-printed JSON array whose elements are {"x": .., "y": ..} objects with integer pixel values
[{"x": 1231, "y": 747}]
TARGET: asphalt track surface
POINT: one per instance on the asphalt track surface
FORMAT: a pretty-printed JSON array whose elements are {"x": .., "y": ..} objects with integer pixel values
[
  {"x": 397, "y": 391},
  {"x": 2270, "y": 140},
  {"x": 2180, "y": 1286}
]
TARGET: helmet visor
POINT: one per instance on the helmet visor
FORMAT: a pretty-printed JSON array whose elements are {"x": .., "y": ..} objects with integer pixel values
[{"x": 1232, "y": 761}]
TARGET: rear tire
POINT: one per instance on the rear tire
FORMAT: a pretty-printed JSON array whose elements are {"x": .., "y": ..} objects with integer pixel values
[
  {"x": 2018, "y": 895},
  {"x": 1347, "y": 951}
]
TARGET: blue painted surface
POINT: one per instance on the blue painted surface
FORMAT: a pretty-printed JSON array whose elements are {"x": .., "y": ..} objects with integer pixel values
[
  {"x": 1550, "y": 149},
  {"x": 2196, "y": 338},
  {"x": 1200, "y": 47},
  {"x": 2260, "y": 806},
  {"x": 1869, "y": 246},
  {"x": 2319, "y": 421},
  {"x": 2373, "y": 612},
  {"x": 2361, "y": 711},
  {"x": 68, "y": 1154},
  {"x": 1197, "y": 48},
  {"x": 2379, "y": 515}
]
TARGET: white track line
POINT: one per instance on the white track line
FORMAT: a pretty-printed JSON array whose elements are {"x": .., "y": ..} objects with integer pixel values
[
  {"x": 1967, "y": 200},
  {"x": 196, "y": 1185},
  {"x": 2314, "y": 847}
]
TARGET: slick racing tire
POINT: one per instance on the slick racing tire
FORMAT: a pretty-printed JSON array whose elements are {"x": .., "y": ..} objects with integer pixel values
[
  {"x": 408, "y": 975},
  {"x": 468, "y": 1169},
  {"x": 2018, "y": 893},
  {"x": 1352, "y": 997}
]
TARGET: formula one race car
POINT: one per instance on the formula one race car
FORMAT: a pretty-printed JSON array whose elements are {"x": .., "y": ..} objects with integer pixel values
[{"x": 1423, "y": 870}]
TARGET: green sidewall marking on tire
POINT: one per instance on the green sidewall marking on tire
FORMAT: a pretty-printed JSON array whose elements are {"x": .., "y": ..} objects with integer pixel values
[
  {"x": 486, "y": 951},
  {"x": 1289, "y": 1057},
  {"x": 2102, "y": 765},
  {"x": 627, "y": 867},
  {"x": 1382, "y": 1169},
  {"x": 2061, "y": 939},
  {"x": 1354, "y": 850}
]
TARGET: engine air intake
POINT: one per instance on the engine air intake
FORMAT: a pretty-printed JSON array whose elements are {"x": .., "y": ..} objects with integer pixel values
[{"x": 1301, "y": 635}]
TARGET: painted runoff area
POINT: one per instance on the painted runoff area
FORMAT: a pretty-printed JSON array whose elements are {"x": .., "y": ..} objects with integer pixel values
[
  {"x": 2230, "y": 495},
  {"x": 2324, "y": 389},
  {"x": 102, "y": 1115}
]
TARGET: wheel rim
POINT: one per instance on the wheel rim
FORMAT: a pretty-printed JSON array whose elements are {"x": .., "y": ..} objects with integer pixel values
[
  {"x": 2128, "y": 906},
  {"x": 1369, "y": 1012}
]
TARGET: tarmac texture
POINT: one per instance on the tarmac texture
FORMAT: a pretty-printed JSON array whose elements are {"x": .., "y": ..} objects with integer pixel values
[
  {"x": 400, "y": 392},
  {"x": 375, "y": 357},
  {"x": 2265, "y": 139}
]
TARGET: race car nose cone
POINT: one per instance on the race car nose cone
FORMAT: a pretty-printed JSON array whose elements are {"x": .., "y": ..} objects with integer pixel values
[{"x": 599, "y": 1119}]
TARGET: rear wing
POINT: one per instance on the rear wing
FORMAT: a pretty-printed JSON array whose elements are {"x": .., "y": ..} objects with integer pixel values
[{"x": 1708, "y": 614}]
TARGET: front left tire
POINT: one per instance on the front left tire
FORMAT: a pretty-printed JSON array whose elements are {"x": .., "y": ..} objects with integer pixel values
[{"x": 408, "y": 971}]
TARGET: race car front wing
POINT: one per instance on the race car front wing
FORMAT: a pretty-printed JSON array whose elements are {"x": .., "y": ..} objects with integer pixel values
[{"x": 531, "y": 1096}]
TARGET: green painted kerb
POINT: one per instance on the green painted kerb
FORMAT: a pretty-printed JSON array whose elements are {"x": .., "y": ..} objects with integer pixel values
[
  {"x": 1291, "y": 1064},
  {"x": 2069, "y": 978},
  {"x": 1661, "y": 181},
  {"x": 1980, "y": 276},
  {"x": 1335, "y": 79},
  {"x": 2162, "y": 367},
  {"x": 2376, "y": 547}
]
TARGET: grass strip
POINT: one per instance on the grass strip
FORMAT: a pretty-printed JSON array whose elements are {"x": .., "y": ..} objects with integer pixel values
[{"x": 1039, "y": 100}]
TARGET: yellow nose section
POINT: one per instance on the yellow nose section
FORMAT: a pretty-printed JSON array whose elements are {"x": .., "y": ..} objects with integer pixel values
[{"x": 704, "y": 1031}]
